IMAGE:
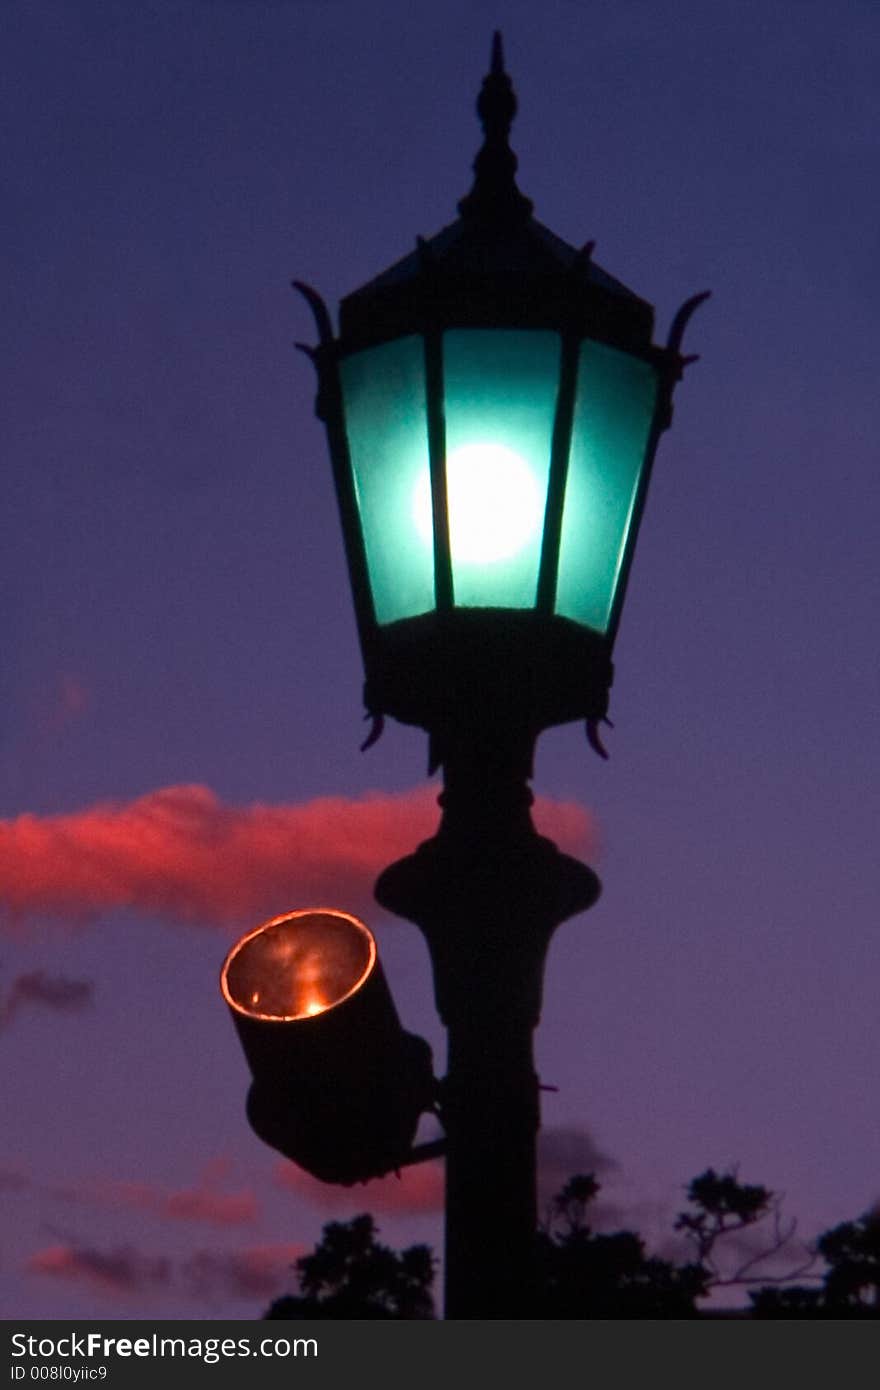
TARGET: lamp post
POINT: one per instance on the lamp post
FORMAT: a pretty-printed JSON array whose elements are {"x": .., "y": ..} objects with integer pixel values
[{"x": 493, "y": 403}]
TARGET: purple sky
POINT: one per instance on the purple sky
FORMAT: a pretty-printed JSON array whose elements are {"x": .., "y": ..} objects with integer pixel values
[{"x": 176, "y": 610}]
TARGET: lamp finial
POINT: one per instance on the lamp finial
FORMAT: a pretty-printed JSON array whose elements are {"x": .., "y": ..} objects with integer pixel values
[{"x": 495, "y": 196}]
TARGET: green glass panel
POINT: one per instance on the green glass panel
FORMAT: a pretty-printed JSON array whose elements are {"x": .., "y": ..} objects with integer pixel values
[
  {"x": 614, "y": 407},
  {"x": 383, "y": 390},
  {"x": 500, "y": 390}
]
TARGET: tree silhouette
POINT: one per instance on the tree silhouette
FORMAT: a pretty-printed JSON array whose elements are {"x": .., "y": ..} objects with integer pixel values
[
  {"x": 850, "y": 1285},
  {"x": 350, "y": 1275},
  {"x": 587, "y": 1275},
  {"x": 734, "y": 1230},
  {"x": 721, "y": 1209}
]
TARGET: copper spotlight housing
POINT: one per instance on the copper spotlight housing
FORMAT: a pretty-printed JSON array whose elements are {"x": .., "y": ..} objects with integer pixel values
[{"x": 338, "y": 1084}]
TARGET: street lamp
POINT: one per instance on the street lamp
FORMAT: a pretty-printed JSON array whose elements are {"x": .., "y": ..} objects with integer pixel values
[{"x": 493, "y": 403}]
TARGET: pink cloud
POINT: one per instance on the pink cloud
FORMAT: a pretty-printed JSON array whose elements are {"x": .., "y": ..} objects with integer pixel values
[
  {"x": 201, "y": 1204},
  {"x": 182, "y": 854},
  {"x": 187, "y": 1204},
  {"x": 120, "y": 1271},
  {"x": 418, "y": 1189},
  {"x": 217, "y": 1208},
  {"x": 257, "y": 1272}
]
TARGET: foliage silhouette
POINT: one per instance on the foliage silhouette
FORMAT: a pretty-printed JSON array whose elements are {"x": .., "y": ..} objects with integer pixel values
[
  {"x": 721, "y": 1209},
  {"x": 850, "y": 1285},
  {"x": 587, "y": 1275},
  {"x": 350, "y": 1275},
  {"x": 734, "y": 1230}
]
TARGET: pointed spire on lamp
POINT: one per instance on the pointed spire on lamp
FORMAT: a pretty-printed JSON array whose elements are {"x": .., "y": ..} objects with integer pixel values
[{"x": 495, "y": 196}]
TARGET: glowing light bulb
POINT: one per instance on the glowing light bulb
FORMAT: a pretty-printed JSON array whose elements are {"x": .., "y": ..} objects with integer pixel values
[
  {"x": 495, "y": 503},
  {"x": 314, "y": 1006}
]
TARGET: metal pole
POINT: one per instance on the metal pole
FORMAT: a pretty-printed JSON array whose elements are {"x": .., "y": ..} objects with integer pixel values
[{"x": 487, "y": 892}]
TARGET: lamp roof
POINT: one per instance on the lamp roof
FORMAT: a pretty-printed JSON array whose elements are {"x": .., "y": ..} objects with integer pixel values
[{"x": 496, "y": 265}]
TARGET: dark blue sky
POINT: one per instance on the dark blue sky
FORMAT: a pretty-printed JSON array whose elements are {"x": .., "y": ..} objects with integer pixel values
[{"x": 176, "y": 610}]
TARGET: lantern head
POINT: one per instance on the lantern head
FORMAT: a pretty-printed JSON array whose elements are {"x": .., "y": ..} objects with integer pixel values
[{"x": 493, "y": 403}]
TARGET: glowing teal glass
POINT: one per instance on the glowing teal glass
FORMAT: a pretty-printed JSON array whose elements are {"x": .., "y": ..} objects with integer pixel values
[
  {"x": 383, "y": 391},
  {"x": 500, "y": 400},
  {"x": 614, "y": 409}
]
